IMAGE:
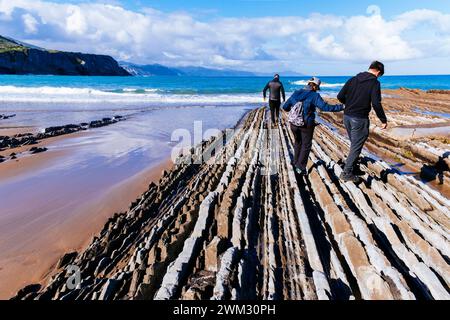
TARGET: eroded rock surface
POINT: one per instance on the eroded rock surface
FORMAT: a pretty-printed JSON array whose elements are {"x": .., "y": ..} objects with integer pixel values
[{"x": 243, "y": 226}]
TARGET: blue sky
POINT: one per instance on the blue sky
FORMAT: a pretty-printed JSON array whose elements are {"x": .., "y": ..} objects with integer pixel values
[
  {"x": 312, "y": 37},
  {"x": 259, "y": 8}
]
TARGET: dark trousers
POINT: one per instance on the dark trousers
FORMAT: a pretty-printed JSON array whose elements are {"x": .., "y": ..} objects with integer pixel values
[
  {"x": 302, "y": 144},
  {"x": 358, "y": 132},
  {"x": 274, "y": 110}
]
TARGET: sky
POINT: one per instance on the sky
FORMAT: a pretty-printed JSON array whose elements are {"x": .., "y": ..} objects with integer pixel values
[{"x": 311, "y": 37}]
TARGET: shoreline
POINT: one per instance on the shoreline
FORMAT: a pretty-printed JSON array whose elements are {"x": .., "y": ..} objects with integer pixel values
[{"x": 38, "y": 264}]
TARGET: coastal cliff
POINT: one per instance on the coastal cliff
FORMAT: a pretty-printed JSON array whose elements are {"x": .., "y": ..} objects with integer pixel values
[{"x": 20, "y": 58}]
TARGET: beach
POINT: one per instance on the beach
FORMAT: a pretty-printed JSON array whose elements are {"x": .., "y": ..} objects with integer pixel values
[
  {"x": 55, "y": 202},
  {"x": 242, "y": 225},
  {"x": 33, "y": 243}
]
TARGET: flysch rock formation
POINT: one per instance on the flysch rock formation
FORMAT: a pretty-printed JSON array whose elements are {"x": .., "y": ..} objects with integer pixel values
[
  {"x": 243, "y": 225},
  {"x": 418, "y": 134}
]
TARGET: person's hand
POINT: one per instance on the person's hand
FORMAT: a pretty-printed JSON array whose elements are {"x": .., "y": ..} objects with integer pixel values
[
  {"x": 384, "y": 126},
  {"x": 264, "y": 99}
]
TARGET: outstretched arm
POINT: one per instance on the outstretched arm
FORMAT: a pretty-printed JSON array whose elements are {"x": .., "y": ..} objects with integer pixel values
[
  {"x": 376, "y": 103},
  {"x": 322, "y": 105}
]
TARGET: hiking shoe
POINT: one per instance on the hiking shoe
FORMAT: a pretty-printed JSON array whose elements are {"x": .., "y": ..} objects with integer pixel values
[
  {"x": 301, "y": 172},
  {"x": 350, "y": 177},
  {"x": 357, "y": 171}
]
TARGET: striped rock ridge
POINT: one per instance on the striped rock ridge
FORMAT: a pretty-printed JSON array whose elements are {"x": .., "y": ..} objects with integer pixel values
[{"x": 243, "y": 225}]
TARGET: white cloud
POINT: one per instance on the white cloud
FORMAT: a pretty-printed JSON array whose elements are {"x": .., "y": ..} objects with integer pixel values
[
  {"x": 30, "y": 23},
  {"x": 327, "y": 46},
  {"x": 76, "y": 22},
  {"x": 149, "y": 35}
]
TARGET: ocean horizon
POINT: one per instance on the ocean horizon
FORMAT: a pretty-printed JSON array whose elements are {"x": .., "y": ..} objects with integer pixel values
[{"x": 179, "y": 90}]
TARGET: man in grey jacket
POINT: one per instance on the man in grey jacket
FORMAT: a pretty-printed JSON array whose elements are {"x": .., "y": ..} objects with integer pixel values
[
  {"x": 359, "y": 94},
  {"x": 276, "y": 91}
]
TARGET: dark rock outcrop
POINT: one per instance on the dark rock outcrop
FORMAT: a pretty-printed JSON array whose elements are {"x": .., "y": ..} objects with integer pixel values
[
  {"x": 18, "y": 58},
  {"x": 24, "y": 139},
  {"x": 6, "y": 116},
  {"x": 37, "y": 150},
  {"x": 33, "y": 61},
  {"x": 66, "y": 259}
]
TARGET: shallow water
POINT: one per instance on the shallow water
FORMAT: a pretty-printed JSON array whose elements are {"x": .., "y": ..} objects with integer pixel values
[{"x": 432, "y": 113}]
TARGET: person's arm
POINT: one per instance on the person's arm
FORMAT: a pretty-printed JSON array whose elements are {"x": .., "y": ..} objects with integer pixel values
[
  {"x": 341, "y": 95},
  {"x": 265, "y": 90},
  {"x": 283, "y": 93},
  {"x": 376, "y": 102},
  {"x": 322, "y": 105},
  {"x": 293, "y": 99}
]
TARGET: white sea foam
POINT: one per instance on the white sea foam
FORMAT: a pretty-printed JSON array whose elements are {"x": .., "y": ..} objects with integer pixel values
[
  {"x": 323, "y": 85},
  {"x": 47, "y": 94},
  {"x": 137, "y": 90}
]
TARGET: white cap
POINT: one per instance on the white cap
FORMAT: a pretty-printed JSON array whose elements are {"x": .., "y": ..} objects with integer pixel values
[{"x": 315, "y": 80}]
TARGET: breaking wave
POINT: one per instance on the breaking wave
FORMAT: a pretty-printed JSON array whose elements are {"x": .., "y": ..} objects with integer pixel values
[
  {"x": 48, "y": 94},
  {"x": 323, "y": 85}
]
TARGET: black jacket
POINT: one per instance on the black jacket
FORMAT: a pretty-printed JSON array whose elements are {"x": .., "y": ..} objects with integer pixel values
[
  {"x": 275, "y": 87},
  {"x": 359, "y": 93}
]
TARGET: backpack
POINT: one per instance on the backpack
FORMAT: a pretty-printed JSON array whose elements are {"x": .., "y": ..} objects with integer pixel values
[{"x": 295, "y": 116}]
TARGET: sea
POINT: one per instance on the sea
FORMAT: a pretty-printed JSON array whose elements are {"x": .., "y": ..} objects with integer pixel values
[
  {"x": 162, "y": 90},
  {"x": 44, "y": 100}
]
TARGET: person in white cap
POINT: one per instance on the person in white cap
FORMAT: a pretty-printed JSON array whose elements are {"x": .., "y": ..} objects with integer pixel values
[{"x": 302, "y": 113}]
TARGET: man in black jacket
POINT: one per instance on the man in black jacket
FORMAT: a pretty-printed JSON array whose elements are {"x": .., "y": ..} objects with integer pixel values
[
  {"x": 276, "y": 91},
  {"x": 359, "y": 94}
]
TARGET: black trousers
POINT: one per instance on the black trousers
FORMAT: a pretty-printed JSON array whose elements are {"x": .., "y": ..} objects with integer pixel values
[
  {"x": 358, "y": 132},
  {"x": 274, "y": 110},
  {"x": 302, "y": 145}
]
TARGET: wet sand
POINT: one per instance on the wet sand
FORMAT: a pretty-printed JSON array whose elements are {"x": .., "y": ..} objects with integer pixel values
[
  {"x": 32, "y": 243},
  {"x": 32, "y": 246},
  {"x": 10, "y": 131}
]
